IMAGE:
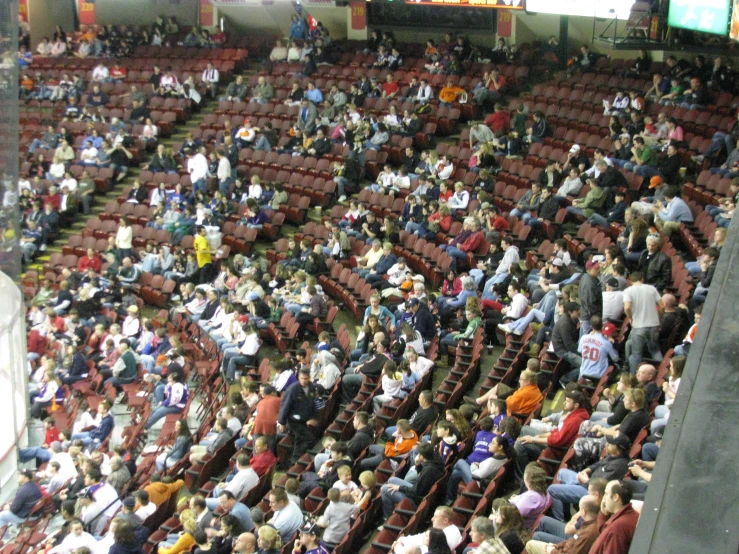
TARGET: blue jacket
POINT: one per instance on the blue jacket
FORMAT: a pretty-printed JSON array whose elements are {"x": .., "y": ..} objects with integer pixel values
[
  {"x": 297, "y": 405},
  {"x": 102, "y": 431},
  {"x": 298, "y": 29},
  {"x": 385, "y": 263},
  {"x": 25, "y": 499},
  {"x": 384, "y": 313}
]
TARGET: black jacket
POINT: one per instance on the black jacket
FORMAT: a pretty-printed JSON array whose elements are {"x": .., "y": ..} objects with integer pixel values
[
  {"x": 297, "y": 404},
  {"x": 612, "y": 177},
  {"x": 549, "y": 208},
  {"x": 656, "y": 269},
  {"x": 591, "y": 297},
  {"x": 422, "y": 418},
  {"x": 429, "y": 473},
  {"x": 361, "y": 440},
  {"x": 565, "y": 335},
  {"x": 424, "y": 323},
  {"x": 670, "y": 168}
]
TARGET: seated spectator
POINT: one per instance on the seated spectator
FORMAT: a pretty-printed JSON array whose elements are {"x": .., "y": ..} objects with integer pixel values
[
  {"x": 532, "y": 503},
  {"x": 619, "y": 530},
  {"x": 26, "y": 497},
  {"x": 442, "y": 520}
]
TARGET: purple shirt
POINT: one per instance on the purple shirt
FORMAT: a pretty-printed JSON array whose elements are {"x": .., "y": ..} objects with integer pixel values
[
  {"x": 481, "y": 450},
  {"x": 530, "y": 504}
]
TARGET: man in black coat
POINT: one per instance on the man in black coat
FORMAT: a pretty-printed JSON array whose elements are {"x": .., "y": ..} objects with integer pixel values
[
  {"x": 297, "y": 411},
  {"x": 430, "y": 470},
  {"x": 654, "y": 265},
  {"x": 591, "y": 296}
]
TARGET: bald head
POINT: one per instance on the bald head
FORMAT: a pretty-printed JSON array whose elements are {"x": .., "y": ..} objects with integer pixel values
[
  {"x": 245, "y": 543},
  {"x": 589, "y": 507},
  {"x": 669, "y": 301}
]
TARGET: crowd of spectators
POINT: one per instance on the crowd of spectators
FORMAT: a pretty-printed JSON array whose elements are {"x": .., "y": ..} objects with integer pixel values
[{"x": 606, "y": 321}]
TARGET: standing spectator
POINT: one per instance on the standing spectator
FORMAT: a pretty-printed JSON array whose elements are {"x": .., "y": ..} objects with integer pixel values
[
  {"x": 297, "y": 411},
  {"x": 642, "y": 303},
  {"x": 591, "y": 296},
  {"x": 210, "y": 78}
]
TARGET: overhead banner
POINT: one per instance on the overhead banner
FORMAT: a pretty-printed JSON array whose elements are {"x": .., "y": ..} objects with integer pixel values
[
  {"x": 239, "y": 3},
  {"x": 206, "y": 13},
  {"x": 87, "y": 12},
  {"x": 606, "y": 9},
  {"x": 706, "y": 16},
  {"x": 359, "y": 15},
  {"x": 500, "y": 4},
  {"x": 734, "y": 29},
  {"x": 23, "y": 10}
]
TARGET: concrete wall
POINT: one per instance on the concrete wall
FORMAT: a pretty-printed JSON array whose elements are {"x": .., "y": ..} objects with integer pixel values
[
  {"x": 142, "y": 12},
  {"x": 45, "y": 15}
]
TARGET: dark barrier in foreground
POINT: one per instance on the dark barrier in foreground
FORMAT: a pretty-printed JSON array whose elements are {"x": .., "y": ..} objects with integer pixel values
[{"x": 692, "y": 504}]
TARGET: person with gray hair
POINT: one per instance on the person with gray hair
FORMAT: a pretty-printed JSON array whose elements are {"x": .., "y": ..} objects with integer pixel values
[
  {"x": 483, "y": 533},
  {"x": 119, "y": 474},
  {"x": 467, "y": 241},
  {"x": 469, "y": 289}
]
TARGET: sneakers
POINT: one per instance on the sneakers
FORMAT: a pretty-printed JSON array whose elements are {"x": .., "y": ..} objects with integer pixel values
[
  {"x": 342, "y": 198},
  {"x": 698, "y": 159},
  {"x": 505, "y": 328},
  {"x": 42, "y": 248}
]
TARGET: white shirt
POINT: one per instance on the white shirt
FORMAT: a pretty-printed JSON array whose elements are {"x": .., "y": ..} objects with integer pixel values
[
  {"x": 613, "y": 305},
  {"x": 224, "y": 169},
  {"x": 425, "y": 93},
  {"x": 244, "y": 481},
  {"x": 210, "y": 75},
  {"x": 197, "y": 167},
  {"x": 518, "y": 306},
  {"x": 70, "y": 183},
  {"x": 44, "y": 49},
  {"x": 88, "y": 155},
  {"x": 169, "y": 82},
  {"x": 446, "y": 172},
  {"x": 251, "y": 345},
  {"x": 100, "y": 73},
  {"x": 453, "y": 538},
  {"x": 72, "y": 543},
  {"x": 67, "y": 469},
  {"x": 145, "y": 511}
]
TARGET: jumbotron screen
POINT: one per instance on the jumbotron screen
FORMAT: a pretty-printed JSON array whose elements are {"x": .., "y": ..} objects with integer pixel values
[{"x": 499, "y": 4}]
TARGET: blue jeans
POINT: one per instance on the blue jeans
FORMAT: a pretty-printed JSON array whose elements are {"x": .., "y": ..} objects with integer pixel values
[
  {"x": 461, "y": 472},
  {"x": 225, "y": 186},
  {"x": 117, "y": 382},
  {"x": 477, "y": 275},
  {"x": 598, "y": 220},
  {"x": 36, "y": 453},
  {"x": 487, "y": 290},
  {"x": 199, "y": 185},
  {"x": 550, "y": 530},
  {"x": 567, "y": 493},
  {"x": 649, "y": 452},
  {"x": 412, "y": 227},
  {"x": 391, "y": 498},
  {"x": 9, "y": 518},
  {"x": 159, "y": 413},
  {"x": 639, "y": 338},
  {"x": 84, "y": 436},
  {"x": 263, "y": 144},
  {"x": 522, "y": 323},
  {"x": 574, "y": 210},
  {"x": 720, "y": 139},
  {"x": 455, "y": 253},
  {"x": 585, "y": 327}
]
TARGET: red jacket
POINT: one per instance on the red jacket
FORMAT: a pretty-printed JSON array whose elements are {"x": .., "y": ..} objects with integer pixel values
[
  {"x": 261, "y": 463},
  {"x": 472, "y": 242},
  {"x": 265, "y": 422},
  {"x": 86, "y": 263},
  {"x": 564, "y": 436},
  {"x": 615, "y": 538},
  {"x": 52, "y": 435},
  {"x": 498, "y": 121}
]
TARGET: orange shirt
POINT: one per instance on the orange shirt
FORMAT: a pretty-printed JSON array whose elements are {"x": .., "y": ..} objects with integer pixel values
[
  {"x": 401, "y": 446},
  {"x": 524, "y": 400},
  {"x": 27, "y": 84},
  {"x": 450, "y": 94}
]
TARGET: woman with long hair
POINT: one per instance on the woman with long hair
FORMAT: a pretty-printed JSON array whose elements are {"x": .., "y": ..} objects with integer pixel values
[
  {"x": 509, "y": 526},
  {"x": 436, "y": 541},
  {"x": 125, "y": 539},
  {"x": 533, "y": 502},
  {"x": 181, "y": 446},
  {"x": 268, "y": 540}
]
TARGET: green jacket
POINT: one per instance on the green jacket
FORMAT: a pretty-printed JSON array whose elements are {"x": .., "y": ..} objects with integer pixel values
[
  {"x": 594, "y": 201},
  {"x": 472, "y": 326}
]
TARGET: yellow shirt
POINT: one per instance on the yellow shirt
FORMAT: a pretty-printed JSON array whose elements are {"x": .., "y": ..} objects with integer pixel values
[{"x": 202, "y": 250}]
